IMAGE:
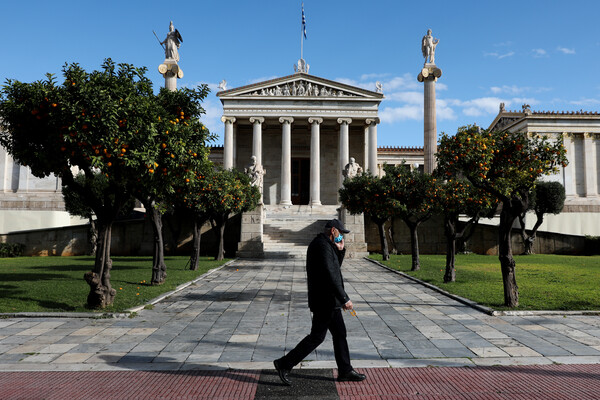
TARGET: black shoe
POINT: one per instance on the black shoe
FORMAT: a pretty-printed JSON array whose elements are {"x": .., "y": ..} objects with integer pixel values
[
  {"x": 283, "y": 373},
  {"x": 351, "y": 376}
]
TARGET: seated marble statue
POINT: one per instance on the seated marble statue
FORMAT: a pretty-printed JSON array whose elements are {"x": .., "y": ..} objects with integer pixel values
[
  {"x": 352, "y": 169},
  {"x": 255, "y": 172}
]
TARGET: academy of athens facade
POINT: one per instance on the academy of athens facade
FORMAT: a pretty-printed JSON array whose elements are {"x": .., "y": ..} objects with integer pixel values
[{"x": 303, "y": 130}]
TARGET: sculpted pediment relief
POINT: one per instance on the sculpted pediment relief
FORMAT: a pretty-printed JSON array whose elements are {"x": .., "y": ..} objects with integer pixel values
[{"x": 302, "y": 86}]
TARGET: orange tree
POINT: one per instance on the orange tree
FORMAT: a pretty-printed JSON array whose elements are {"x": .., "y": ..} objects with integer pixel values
[
  {"x": 215, "y": 194},
  {"x": 102, "y": 121},
  {"x": 505, "y": 165},
  {"x": 412, "y": 198},
  {"x": 179, "y": 152},
  {"x": 458, "y": 197},
  {"x": 368, "y": 194}
]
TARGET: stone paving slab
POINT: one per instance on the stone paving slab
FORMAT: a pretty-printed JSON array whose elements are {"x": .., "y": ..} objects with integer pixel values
[{"x": 253, "y": 311}]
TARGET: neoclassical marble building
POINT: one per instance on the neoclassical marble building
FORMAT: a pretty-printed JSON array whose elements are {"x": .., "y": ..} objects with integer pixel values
[
  {"x": 581, "y": 178},
  {"x": 303, "y": 130}
]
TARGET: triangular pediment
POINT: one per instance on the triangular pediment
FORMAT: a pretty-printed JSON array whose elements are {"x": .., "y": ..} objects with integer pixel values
[{"x": 298, "y": 86}]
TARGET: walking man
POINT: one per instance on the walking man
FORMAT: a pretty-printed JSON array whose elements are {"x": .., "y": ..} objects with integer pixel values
[{"x": 326, "y": 298}]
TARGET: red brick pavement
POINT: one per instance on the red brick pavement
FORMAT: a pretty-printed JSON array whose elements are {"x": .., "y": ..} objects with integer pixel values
[
  {"x": 108, "y": 385},
  {"x": 547, "y": 382},
  {"x": 556, "y": 382}
]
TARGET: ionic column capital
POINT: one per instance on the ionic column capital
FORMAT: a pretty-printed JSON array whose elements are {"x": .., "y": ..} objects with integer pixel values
[
  {"x": 373, "y": 121},
  {"x": 257, "y": 120},
  {"x": 286, "y": 120},
  {"x": 315, "y": 120},
  {"x": 347, "y": 121},
  {"x": 225, "y": 119}
]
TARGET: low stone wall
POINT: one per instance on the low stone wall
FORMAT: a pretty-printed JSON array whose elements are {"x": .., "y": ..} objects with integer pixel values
[
  {"x": 129, "y": 238},
  {"x": 484, "y": 241}
]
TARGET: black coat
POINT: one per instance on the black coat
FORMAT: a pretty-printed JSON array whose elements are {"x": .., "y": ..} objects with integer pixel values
[{"x": 324, "y": 275}]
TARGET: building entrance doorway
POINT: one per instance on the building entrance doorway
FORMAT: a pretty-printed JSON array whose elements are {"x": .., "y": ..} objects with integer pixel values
[{"x": 300, "y": 180}]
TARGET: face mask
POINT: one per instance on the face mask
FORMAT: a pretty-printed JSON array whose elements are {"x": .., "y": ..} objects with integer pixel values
[{"x": 339, "y": 238}]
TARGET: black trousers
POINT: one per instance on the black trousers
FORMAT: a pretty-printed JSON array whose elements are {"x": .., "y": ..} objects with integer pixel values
[{"x": 322, "y": 321}]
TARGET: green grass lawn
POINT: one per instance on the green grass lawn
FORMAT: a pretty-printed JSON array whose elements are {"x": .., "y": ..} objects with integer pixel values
[
  {"x": 56, "y": 283},
  {"x": 546, "y": 282}
]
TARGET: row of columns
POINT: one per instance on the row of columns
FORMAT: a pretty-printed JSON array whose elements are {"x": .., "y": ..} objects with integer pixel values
[{"x": 315, "y": 151}]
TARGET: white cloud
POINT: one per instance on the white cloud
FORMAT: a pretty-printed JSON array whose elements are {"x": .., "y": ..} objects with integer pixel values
[
  {"x": 500, "y": 56},
  {"x": 585, "y": 102},
  {"x": 565, "y": 50},
  {"x": 365, "y": 77},
  {"x": 406, "y": 97},
  {"x": 394, "y": 114},
  {"x": 441, "y": 86},
  {"x": 507, "y": 89},
  {"x": 538, "y": 53}
]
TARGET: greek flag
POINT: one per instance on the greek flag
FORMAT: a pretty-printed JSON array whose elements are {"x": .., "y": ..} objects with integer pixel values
[{"x": 303, "y": 22}]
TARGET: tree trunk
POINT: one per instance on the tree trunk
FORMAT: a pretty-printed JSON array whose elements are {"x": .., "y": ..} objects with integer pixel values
[
  {"x": 391, "y": 240},
  {"x": 385, "y": 254},
  {"x": 197, "y": 233},
  {"x": 93, "y": 232},
  {"x": 414, "y": 245},
  {"x": 101, "y": 293},
  {"x": 219, "y": 223},
  {"x": 507, "y": 262},
  {"x": 450, "y": 231},
  {"x": 159, "y": 268}
]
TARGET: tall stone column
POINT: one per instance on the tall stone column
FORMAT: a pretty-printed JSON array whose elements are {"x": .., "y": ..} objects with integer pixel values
[
  {"x": 286, "y": 161},
  {"x": 372, "y": 127},
  {"x": 590, "y": 165},
  {"x": 344, "y": 147},
  {"x": 429, "y": 75},
  {"x": 228, "y": 142},
  {"x": 315, "y": 161},
  {"x": 257, "y": 138}
]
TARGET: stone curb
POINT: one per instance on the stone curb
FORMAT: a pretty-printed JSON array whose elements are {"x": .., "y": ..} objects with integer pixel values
[
  {"x": 125, "y": 314},
  {"x": 479, "y": 307},
  {"x": 330, "y": 364}
]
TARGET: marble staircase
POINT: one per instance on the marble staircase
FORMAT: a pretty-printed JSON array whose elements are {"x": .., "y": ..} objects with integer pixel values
[{"x": 287, "y": 231}]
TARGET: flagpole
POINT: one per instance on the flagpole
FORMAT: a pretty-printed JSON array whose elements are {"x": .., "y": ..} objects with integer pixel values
[{"x": 302, "y": 35}]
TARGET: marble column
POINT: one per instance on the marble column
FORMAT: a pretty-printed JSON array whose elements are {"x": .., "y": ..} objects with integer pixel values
[
  {"x": 569, "y": 176},
  {"x": 257, "y": 138},
  {"x": 429, "y": 75},
  {"x": 344, "y": 147},
  {"x": 372, "y": 127},
  {"x": 315, "y": 161},
  {"x": 589, "y": 165},
  {"x": 228, "y": 142},
  {"x": 286, "y": 161}
]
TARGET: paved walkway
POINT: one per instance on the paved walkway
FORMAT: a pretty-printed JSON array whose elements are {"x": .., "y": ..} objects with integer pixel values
[{"x": 251, "y": 312}]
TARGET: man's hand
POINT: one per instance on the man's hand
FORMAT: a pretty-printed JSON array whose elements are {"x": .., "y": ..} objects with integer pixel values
[
  {"x": 348, "y": 305},
  {"x": 340, "y": 245}
]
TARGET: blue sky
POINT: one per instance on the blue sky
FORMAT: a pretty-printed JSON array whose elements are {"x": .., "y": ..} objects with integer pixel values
[{"x": 543, "y": 53}]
